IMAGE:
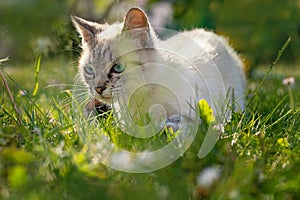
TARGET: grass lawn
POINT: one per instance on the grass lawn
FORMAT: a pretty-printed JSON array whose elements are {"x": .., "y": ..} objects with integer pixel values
[{"x": 42, "y": 156}]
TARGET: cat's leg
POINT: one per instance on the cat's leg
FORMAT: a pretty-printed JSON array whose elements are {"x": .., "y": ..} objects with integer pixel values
[
  {"x": 88, "y": 110},
  {"x": 173, "y": 123}
]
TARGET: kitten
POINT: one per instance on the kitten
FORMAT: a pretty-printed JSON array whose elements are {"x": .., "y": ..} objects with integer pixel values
[{"x": 125, "y": 65}]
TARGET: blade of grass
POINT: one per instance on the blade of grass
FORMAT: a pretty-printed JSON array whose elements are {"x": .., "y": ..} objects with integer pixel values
[
  {"x": 279, "y": 54},
  {"x": 26, "y": 95},
  {"x": 268, "y": 117},
  {"x": 279, "y": 120},
  {"x": 36, "y": 75},
  {"x": 4, "y": 60}
]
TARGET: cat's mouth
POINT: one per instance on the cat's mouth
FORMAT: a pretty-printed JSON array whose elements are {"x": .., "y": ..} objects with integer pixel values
[
  {"x": 101, "y": 102},
  {"x": 97, "y": 105}
]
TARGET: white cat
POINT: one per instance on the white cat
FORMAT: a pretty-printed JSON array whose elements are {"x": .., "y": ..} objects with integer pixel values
[{"x": 125, "y": 65}]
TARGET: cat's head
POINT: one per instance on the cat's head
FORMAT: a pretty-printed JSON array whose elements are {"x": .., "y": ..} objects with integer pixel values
[{"x": 111, "y": 50}]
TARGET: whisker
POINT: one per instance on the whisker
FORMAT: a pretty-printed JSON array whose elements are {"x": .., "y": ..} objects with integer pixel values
[
  {"x": 80, "y": 95},
  {"x": 116, "y": 89},
  {"x": 64, "y": 84},
  {"x": 80, "y": 102},
  {"x": 81, "y": 89},
  {"x": 74, "y": 91},
  {"x": 80, "y": 98}
]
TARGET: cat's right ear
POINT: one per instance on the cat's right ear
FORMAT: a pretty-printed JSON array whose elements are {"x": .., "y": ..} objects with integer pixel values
[
  {"x": 138, "y": 27},
  {"x": 87, "y": 30},
  {"x": 135, "y": 18}
]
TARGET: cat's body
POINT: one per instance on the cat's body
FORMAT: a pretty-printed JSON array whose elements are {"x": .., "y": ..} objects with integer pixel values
[
  {"x": 127, "y": 61},
  {"x": 214, "y": 69}
]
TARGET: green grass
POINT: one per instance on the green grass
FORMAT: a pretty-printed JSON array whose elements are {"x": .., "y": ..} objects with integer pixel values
[{"x": 43, "y": 157}]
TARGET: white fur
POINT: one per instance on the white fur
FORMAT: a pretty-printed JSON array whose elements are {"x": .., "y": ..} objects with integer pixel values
[
  {"x": 215, "y": 68},
  {"x": 192, "y": 65}
]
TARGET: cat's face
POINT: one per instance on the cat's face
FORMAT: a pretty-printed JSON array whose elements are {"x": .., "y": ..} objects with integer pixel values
[{"x": 111, "y": 50}]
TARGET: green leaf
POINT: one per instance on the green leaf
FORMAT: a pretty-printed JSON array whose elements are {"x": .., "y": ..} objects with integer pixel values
[
  {"x": 17, "y": 176},
  {"x": 16, "y": 156}
]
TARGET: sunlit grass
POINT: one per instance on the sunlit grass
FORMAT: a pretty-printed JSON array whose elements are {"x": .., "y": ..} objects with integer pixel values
[
  {"x": 42, "y": 156},
  {"x": 54, "y": 73}
]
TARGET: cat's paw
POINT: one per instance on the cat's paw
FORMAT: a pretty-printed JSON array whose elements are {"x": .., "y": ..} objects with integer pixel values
[{"x": 173, "y": 123}]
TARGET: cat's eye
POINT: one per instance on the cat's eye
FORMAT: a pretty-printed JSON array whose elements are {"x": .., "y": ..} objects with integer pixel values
[
  {"x": 118, "y": 68},
  {"x": 89, "y": 70}
]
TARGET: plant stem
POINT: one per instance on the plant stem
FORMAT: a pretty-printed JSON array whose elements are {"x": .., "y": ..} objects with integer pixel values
[
  {"x": 10, "y": 96},
  {"x": 291, "y": 97}
]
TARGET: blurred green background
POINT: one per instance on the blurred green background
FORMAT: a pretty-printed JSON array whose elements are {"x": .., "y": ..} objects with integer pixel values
[
  {"x": 255, "y": 28},
  {"x": 42, "y": 157}
]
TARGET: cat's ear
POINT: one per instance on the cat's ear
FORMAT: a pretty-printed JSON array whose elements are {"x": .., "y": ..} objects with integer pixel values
[
  {"x": 136, "y": 26},
  {"x": 135, "y": 18},
  {"x": 88, "y": 30}
]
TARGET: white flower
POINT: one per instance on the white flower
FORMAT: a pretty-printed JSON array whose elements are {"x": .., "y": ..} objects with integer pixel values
[
  {"x": 209, "y": 176},
  {"x": 234, "y": 139},
  {"x": 288, "y": 81},
  {"x": 234, "y": 194},
  {"x": 219, "y": 127},
  {"x": 22, "y": 93}
]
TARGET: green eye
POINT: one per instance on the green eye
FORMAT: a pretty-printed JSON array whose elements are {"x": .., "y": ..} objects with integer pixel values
[
  {"x": 89, "y": 70},
  {"x": 118, "y": 68}
]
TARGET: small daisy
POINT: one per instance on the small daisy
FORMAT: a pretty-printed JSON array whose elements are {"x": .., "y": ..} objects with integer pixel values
[
  {"x": 208, "y": 176},
  {"x": 22, "y": 93},
  {"x": 289, "y": 81}
]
